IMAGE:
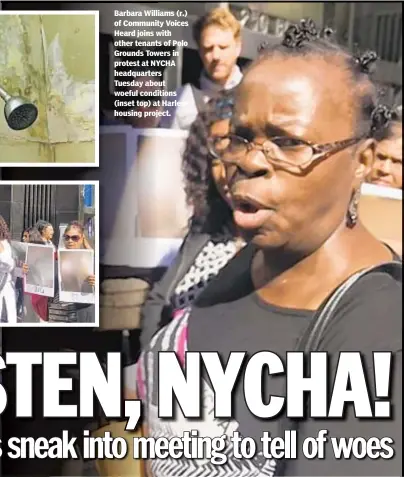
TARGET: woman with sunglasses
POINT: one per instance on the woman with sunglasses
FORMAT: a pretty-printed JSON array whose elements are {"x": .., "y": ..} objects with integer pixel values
[
  {"x": 74, "y": 238},
  {"x": 51, "y": 309}
]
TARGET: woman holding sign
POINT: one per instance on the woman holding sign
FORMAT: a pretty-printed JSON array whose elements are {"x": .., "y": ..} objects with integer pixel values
[
  {"x": 57, "y": 308},
  {"x": 76, "y": 283},
  {"x": 8, "y": 296},
  {"x": 74, "y": 239}
]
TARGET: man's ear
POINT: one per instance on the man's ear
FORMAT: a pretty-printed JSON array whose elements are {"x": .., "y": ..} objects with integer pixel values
[{"x": 365, "y": 156}]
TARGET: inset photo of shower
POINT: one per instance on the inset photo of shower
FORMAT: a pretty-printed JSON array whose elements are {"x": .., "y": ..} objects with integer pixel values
[{"x": 49, "y": 88}]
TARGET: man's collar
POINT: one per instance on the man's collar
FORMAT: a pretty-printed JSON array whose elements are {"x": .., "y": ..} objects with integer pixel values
[{"x": 207, "y": 85}]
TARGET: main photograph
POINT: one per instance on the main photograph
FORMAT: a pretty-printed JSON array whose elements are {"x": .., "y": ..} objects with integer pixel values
[{"x": 250, "y": 201}]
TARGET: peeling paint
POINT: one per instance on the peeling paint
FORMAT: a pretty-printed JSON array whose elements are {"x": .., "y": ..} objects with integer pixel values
[{"x": 39, "y": 60}]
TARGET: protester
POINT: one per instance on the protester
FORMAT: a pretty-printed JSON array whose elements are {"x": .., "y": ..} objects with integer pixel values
[
  {"x": 8, "y": 296},
  {"x": 212, "y": 239},
  {"x": 74, "y": 238},
  {"x": 46, "y": 230},
  {"x": 19, "y": 285},
  {"x": 25, "y": 234},
  {"x": 39, "y": 303},
  {"x": 35, "y": 237},
  {"x": 218, "y": 36},
  {"x": 301, "y": 144},
  {"x": 387, "y": 168},
  {"x": 52, "y": 309}
]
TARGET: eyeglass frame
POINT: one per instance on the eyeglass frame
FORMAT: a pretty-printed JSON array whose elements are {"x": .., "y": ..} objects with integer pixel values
[{"x": 323, "y": 151}]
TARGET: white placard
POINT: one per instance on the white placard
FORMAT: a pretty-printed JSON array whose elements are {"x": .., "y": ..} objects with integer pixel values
[
  {"x": 40, "y": 279},
  {"x": 74, "y": 268},
  {"x": 62, "y": 229},
  {"x": 151, "y": 218},
  {"x": 19, "y": 253}
]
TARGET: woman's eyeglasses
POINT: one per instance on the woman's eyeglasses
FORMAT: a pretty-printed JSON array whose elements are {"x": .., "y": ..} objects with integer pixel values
[
  {"x": 73, "y": 238},
  {"x": 282, "y": 151}
]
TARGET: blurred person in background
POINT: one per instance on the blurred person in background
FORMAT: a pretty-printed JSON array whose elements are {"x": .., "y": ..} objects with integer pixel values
[
  {"x": 26, "y": 236},
  {"x": 39, "y": 303},
  {"x": 212, "y": 239},
  {"x": 387, "y": 169},
  {"x": 8, "y": 295},
  {"x": 46, "y": 230},
  {"x": 26, "y": 233},
  {"x": 218, "y": 36}
]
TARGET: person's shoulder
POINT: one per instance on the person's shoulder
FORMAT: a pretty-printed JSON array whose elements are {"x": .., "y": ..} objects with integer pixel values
[
  {"x": 231, "y": 283},
  {"x": 369, "y": 316}
]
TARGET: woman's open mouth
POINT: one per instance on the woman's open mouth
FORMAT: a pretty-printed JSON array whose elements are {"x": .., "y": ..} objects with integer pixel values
[{"x": 248, "y": 214}]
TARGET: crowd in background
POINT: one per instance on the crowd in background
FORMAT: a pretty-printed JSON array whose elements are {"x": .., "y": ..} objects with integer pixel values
[{"x": 15, "y": 302}]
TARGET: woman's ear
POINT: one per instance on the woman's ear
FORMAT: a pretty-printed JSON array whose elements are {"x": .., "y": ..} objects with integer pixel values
[{"x": 365, "y": 156}]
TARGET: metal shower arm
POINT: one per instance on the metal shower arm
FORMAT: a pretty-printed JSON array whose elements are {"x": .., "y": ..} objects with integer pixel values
[{"x": 4, "y": 95}]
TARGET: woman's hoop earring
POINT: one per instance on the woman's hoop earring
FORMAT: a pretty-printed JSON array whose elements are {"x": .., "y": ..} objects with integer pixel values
[{"x": 352, "y": 213}]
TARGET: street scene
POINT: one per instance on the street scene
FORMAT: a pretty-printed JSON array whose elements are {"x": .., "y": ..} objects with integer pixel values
[{"x": 47, "y": 253}]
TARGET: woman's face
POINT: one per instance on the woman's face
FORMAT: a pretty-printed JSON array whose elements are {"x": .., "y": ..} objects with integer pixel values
[
  {"x": 25, "y": 236},
  {"x": 73, "y": 238},
  {"x": 220, "y": 128},
  {"x": 48, "y": 232},
  {"x": 306, "y": 99},
  {"x": 387, "y": 168}
]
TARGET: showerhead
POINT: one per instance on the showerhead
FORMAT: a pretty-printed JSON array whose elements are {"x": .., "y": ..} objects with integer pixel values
[{"x": 19, "y": 112}]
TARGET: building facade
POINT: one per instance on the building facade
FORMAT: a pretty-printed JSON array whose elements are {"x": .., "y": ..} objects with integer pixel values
[
  {"x": 23, "y": 205},
  {"x": 374, "y": 26}
]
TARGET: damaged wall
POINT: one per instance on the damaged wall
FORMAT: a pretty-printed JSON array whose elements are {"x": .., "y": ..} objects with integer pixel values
[{"x": 50, "y": 59}]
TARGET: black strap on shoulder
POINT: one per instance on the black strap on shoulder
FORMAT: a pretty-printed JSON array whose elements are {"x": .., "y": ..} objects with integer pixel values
[{"x": 311, "y": 339}]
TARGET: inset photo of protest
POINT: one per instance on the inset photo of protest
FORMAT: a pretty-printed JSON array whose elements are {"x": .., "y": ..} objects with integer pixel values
[
  {"x": 49, "y": 88},
  {"x": 48, "y": 253}
]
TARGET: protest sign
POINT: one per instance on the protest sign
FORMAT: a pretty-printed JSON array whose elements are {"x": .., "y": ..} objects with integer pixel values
[
  {"x": 151, "y": 219},
  {"x": 62, "y": 228},
  {"x": 74, "y": 269},
  {"x": 19, "y": 252},
  {"x": 40, "y": 279}
]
